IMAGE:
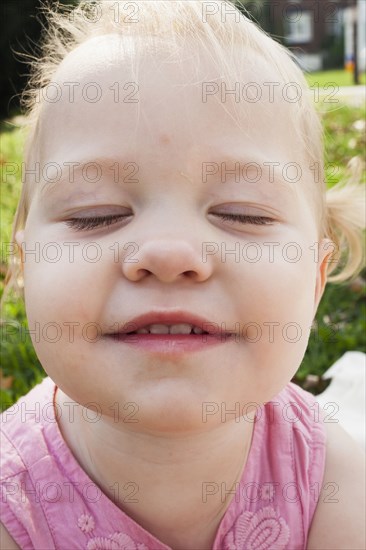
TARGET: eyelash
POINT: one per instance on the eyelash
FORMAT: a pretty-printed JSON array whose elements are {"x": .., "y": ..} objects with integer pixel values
[
  {"x": 243, "y": 218},
  {"x": 84, "y": 224}
]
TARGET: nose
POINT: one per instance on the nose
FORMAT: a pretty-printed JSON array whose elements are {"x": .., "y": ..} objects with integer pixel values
[{"x": 168, "y": 260}]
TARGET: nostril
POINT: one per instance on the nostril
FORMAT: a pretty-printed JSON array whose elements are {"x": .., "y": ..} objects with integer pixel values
[{"x": 168, "y": 261}]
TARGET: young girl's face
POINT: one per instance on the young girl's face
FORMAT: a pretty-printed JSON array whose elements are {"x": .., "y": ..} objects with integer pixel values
[{"x": 173, "y": 252}]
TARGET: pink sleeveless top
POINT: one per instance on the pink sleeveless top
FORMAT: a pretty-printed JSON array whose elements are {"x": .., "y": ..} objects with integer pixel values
[{"x": 48, "y": 502}]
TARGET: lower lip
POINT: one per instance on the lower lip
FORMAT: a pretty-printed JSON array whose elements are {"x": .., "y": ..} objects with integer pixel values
[{"x": 172, "y": 343}]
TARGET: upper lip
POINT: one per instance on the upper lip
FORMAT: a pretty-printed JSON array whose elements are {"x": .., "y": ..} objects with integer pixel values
[{"x": 170, "y": 318}]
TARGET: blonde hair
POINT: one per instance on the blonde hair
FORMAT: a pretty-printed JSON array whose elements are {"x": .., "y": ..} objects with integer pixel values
[{"x": 226, "y": 40}]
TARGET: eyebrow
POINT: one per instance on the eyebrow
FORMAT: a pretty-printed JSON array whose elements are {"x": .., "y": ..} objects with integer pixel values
[
  {"x": 231, "y": 160},
  {"x": 78, "y": 166},
  {"x": 272, "y": 168}
]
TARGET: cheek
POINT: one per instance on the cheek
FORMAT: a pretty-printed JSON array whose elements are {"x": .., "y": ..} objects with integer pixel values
[
  {"x": 274, "y": 304},
  {"x": 278, "y": 286},
  {"x": 64, "y": 303},
  {"x": 55, "y": 292}
]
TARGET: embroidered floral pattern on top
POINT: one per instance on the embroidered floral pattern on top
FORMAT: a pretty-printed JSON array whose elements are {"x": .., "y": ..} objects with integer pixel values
[
  {"x": 268, "y": 492},
  {"x": 86, "y": 523},
  {"x": 261, "y": 530},
  {"x": 117, "y": 541}
]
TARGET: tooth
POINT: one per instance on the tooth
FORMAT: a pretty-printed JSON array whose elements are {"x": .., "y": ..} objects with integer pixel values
[
  {"x": 142, "y": 331},
  {"x": 183, "y": 328},
  {"x": 197, "y": 330},
  {"x": 159, "y": 329}
]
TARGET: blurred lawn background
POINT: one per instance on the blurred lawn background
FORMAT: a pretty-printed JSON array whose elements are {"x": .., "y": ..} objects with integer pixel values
[
  {"x": 340, "y": 323},
  {"x": 340, "y": 77}
]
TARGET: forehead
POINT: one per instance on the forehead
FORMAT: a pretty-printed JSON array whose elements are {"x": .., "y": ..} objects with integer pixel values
[{"x": 134, "y": 99}]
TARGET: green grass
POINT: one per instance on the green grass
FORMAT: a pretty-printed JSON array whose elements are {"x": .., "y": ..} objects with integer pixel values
[
  {"x": 11, "y": 149},
  {"x": 339, "y": 77},
  {"x": 345, "y": 138}
]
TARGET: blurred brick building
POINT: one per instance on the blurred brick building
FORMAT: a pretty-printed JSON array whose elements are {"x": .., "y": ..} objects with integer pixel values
[{"x": 320, "y": 32}]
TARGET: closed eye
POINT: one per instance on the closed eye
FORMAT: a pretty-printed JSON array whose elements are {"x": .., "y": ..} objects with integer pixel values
[
  {"x": 82, "y": 224},
  {"x": 244, "y": 218}
]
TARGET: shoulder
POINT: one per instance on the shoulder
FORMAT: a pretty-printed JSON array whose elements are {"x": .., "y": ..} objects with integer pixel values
[
  {"x": 32, "y": 408},
  {"x": 338, "y": 521},
  {"x": 21, "y": 430},
  {"x": 23, "y": 448},
  {"x": 6, "y": 542},
  {"x": 298, "y": 406},
  {"x": 299, "y": 414}
]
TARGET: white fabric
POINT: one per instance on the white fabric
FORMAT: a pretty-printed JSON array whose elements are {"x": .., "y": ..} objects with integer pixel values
[{"x": 344, "y": 399}]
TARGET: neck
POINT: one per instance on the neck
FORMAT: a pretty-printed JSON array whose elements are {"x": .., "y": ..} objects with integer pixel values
[{"x": 170, "y": 484}]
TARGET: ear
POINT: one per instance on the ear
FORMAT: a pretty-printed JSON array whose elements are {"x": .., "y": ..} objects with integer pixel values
[
  {"x": 19, "y": 238},
  {"x": 325, "y": 250}
]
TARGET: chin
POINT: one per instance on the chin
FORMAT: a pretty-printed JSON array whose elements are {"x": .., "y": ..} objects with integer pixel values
[{"x": 173, "y": 410}]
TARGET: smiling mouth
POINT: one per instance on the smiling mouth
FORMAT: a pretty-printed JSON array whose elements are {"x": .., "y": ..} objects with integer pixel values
[
  {"x": 176, "y": 339},
  {"x": 168, "y": 333},
  {"x": 166, "y": 329}
]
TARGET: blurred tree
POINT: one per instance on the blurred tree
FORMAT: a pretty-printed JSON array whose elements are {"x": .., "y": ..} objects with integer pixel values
[
  {"x": 20, "y": 30},
  {"x": 333, "y": 46},
  {"x": 258, "y": 11},
  {"x": 262, "y": 13}
]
